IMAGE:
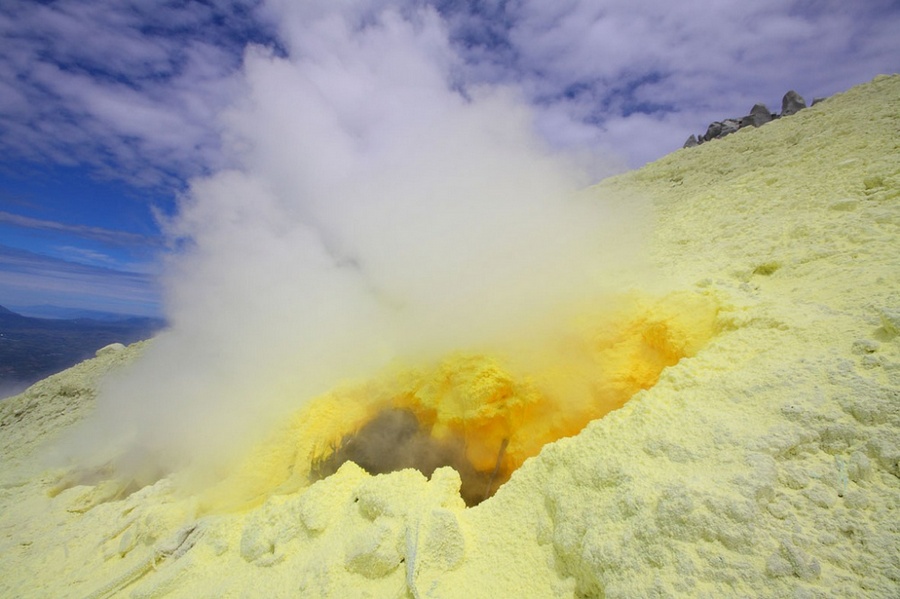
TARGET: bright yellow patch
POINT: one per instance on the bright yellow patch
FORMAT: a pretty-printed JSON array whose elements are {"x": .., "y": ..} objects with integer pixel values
[{"x": 526, "y": 397}]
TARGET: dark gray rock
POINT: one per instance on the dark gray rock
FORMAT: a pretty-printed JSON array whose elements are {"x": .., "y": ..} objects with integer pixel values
[
  {"x": 759, "y": 115},
  {"x": 729, "y": 126},
  {"x": 792, "y": 103},
  {"x": 712, "y": 131}
]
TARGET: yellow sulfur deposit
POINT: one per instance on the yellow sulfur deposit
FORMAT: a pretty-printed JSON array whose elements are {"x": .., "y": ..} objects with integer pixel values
[
  {"x": 500, "y": 411},
  {"x": 749, "y": 444}
]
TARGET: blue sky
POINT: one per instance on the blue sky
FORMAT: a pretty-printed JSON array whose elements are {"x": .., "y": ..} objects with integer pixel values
[{"x": 109, "y": 108}]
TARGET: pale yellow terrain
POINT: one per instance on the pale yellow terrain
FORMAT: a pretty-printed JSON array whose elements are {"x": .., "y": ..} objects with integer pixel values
[{"x": 758, "y": 454}]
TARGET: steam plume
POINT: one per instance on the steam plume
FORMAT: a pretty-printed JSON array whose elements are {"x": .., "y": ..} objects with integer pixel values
[{"x": 381, "y": 210}]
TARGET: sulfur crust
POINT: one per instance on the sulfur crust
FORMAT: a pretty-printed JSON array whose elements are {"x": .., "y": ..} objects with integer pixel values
[
  {"x": 760, "y": 455},
  {"x": 520, "y": 402}
]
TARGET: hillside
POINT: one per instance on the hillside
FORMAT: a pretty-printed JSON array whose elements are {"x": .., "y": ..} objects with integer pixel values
[{"x": 762, "y": 459}]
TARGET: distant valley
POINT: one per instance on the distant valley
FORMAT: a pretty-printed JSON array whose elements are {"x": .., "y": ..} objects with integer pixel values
[{"x": 34, "y": 348}]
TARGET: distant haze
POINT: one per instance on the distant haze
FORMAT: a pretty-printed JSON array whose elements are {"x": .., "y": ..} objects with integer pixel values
[{"x": 34, "y": 345}]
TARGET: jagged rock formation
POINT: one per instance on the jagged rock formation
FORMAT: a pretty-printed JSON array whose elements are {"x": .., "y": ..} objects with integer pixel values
[
  {"x": 791, "y": 103},
  {"x": 759, "y": 115}
]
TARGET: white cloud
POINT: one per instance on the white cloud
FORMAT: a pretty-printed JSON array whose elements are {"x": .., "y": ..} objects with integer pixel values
[
  {"x": 106, "y": 236},
  {"x": 80, "y": 255},
  {"x": 132, "y": 89},
  {"x": 135, "y": 88},
  {"x": 29, "y": 279},
  {"x": 689, "y": 59}
]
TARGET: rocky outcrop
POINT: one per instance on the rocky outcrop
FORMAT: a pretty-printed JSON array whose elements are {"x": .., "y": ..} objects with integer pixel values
[
  {"x": 759, "y": 115},
  {"x": 792, "y": 103}
]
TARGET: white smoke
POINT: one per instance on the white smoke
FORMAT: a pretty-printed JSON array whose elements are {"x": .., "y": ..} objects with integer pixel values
[{"x": 382, "y": 211}]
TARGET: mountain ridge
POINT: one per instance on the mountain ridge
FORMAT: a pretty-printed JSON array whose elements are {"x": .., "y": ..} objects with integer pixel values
[
  {"x": 34, "y": 348},
  {"x": 53, "y": 312}
]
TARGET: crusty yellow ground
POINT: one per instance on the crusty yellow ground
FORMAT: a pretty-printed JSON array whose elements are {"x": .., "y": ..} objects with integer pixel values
[
  {"x": 760, "y": 456},
  {"x": 486, "y": 402}
]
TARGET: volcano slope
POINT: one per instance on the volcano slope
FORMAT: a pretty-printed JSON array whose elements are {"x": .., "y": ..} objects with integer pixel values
[{"x": 766, "y": 464}]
